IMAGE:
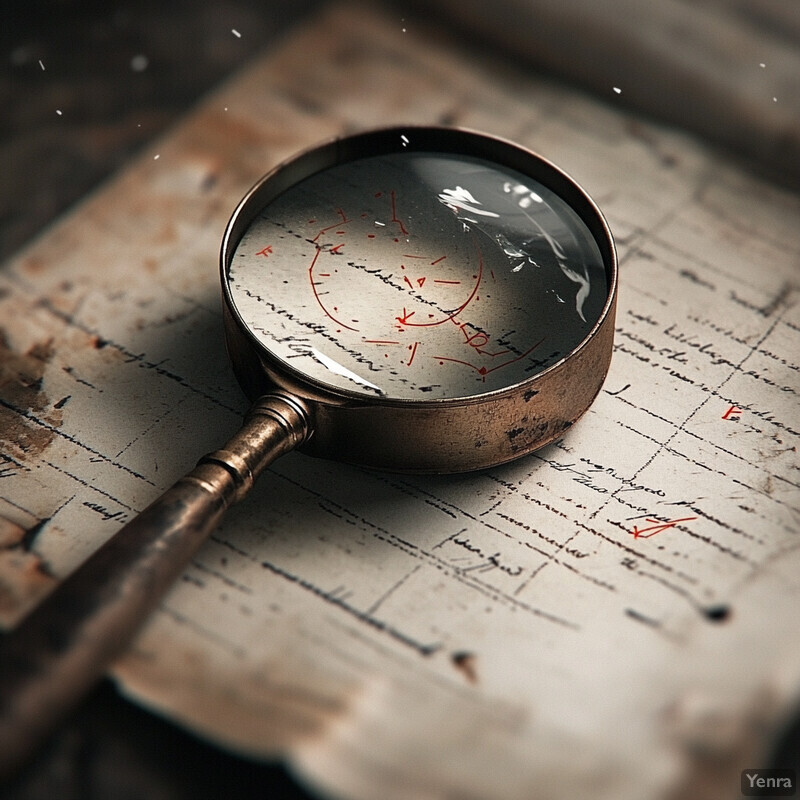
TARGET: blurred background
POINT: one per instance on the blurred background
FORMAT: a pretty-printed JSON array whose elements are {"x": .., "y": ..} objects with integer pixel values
[{"x": 85, "y": 85}]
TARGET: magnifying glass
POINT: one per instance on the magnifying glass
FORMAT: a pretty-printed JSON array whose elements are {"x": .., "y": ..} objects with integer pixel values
[{"x": 410, "y": 299}]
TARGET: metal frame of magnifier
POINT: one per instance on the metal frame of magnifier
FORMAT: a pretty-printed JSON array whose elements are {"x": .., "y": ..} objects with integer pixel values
[
  {"x": 51, "y": 659},
  {"x": 442, "y": 435}
]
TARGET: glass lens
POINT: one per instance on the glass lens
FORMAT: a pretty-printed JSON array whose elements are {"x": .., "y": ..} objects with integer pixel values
[{"x": 418, "y": 276}]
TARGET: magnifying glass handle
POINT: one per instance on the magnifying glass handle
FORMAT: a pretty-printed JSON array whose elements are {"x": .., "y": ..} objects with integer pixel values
[{"x": 63, "y": 647}]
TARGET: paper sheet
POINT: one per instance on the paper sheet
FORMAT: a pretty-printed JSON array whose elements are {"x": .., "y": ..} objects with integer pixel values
[{"x": 614, "y": 616}]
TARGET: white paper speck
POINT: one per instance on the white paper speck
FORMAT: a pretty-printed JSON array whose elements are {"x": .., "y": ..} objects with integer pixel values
[
  {"x": 236, "y": 33},
  {"x": 617, "y": 90},
  {"x": 139, "y": 63}
]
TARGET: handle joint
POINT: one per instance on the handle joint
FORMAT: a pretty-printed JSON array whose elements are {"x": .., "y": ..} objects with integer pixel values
[{"x": 274, "y": 425}]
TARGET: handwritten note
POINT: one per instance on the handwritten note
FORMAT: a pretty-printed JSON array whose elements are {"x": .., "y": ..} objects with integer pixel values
[{"x": 614, "y": 616}]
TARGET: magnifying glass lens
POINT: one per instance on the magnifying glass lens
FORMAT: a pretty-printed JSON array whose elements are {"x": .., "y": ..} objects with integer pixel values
[{"x": 416, "y": 275}]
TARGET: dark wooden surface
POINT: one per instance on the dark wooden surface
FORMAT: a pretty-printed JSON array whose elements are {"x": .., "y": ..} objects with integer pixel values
[
  {"x": 114, "y": 749},
  {"x": 120, "y": 73}
]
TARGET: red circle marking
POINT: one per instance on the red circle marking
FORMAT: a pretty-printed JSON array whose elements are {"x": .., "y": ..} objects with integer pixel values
[{"x": 404, "y": 319}]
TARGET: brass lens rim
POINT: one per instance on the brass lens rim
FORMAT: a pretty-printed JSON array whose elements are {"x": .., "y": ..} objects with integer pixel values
[{"x": 543, "y": 405}]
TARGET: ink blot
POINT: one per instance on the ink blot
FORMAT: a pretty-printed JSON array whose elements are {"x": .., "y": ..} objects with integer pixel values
[{"x": 718, "y": 613}]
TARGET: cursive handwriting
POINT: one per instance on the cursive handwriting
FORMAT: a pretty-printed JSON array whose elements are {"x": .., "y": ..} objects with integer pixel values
[{"x": 489, "y": 561}]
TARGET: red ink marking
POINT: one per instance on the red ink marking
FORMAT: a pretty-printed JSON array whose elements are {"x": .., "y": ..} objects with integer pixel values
[
  {"x": 370, "y": 236},
  {"x": 413, "y": 353},
  {"x": 311, "y": 221},
  {"x": 478, "y": 340},
  {"x": 491, "y": 272},
  {"x": 379, "y": 194},
  {"x": 657, "y": 527},
  {"x": 324, "y": 274},
  {"x": 483, "y": 371},
  {"x": 438, "y": 280},
  {"x": 337, "y": 248},
  {"x": 408, "y": 255},
  {"x": 395, "y": 217},
  {"x": 340, "y": 233},
  {"x": 729, "y": 414},
  {"x": 404, "y": 320},
  {"x": 420, "y": 282},
  {"x": 344, "y": 220},
  {"x": 438, "y": 260},
  {"x": 265, "y": 252},
  {"x": 442, "y": 359},
  {"x": 457, "y": 311},
  {"x": 405, "y": 278},
  {"x": 396, "y": 239},
  {"x": 316, "y": 294}
]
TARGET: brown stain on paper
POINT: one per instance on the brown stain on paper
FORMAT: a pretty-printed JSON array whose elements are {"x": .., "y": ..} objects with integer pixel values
[
  {"x": 24, "y": 577},
  {"x": 21, "y": 376},
  {"x": 464, "y": 662}
]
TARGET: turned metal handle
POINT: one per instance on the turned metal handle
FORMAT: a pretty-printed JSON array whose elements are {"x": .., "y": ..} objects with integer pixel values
[{"x": 63, "y": 647}]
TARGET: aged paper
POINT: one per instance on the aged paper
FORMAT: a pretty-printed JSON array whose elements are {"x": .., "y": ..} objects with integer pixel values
[{"x": 614, "y": 617}]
